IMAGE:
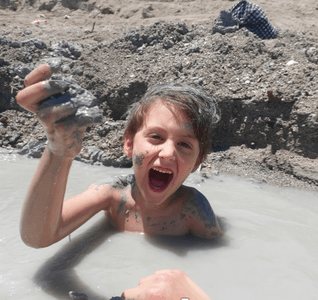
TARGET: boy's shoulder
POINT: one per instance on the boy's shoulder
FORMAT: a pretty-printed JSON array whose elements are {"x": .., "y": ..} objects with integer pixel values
[
  {"x": 121, "y": 182},
  {"x": 198, "y": 209},
  {"x": 194, "y": 199},
  {"x": 112, "y": 190}
]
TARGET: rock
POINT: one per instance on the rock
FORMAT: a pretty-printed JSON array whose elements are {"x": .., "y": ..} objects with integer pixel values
[
  {"x": 21, "y": 69},
  {"x": 15, "y": 44},
  {"x": 193, "y": 49},
  {"x": 11, "y": 4},
  {"x": 14, "y": 138},
  {"x": 107, "y": 10},
  {"x": 3, "y": 40},
  {"x": 47, "y": 4},
  {"x": 34, "y": 42},
  {"x": 33, "y": 149},
  {"x": 146, "y": 13},
  {"x": 312, "y": 54},
  {"x": 66, "y": 49},
  {"x": 225, "y": 23},
  {"x": 78, "y": 71},
  {"x": 65, "y": 69},
  {"x": 75, "y": 48},
  {"x": 167, "y": 43}
]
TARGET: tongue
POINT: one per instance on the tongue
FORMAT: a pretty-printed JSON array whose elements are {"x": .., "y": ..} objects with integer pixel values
[
  {"x": 159, "y": 180},
  {"x": 157, "y": 183}
]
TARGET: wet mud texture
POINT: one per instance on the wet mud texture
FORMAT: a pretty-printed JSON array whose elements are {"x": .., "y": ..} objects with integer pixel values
[
  {"x": 266, "y": 90},
  {"x": 81, "y": 104}
]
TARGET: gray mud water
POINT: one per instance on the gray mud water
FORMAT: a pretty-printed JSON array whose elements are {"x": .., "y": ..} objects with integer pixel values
[{"x": 269, "y": 250}]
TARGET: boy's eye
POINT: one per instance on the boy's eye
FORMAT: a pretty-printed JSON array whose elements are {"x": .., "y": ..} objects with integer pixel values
[
  {"x": 157, "y": 137},
  {"x": 185, "y": 145}
]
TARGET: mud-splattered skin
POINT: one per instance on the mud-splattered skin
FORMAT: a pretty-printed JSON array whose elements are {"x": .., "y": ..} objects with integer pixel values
[
  {"x": 138, "y": 158},
  {"x": 187, "y": 211},
  {"x": 188, "y": 126},
  {"x": 197, "y": 208},
  {"x": 123, "y": 201}
]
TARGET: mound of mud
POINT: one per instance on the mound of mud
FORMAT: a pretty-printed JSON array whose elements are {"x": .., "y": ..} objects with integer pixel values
[
  {"x": 266, "y": 90},
  {"x": 49, "y": 5}
]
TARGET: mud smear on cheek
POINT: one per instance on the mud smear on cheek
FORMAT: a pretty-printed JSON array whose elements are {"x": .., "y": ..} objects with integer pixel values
[{"x": 138, "y": 159}]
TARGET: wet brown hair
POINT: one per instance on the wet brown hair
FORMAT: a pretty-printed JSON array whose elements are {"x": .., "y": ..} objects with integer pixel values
[{"x": 194, "y": 103}]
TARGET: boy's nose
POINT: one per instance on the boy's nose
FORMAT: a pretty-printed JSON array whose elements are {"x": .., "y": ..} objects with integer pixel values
[{"x": 168, "y": 151}]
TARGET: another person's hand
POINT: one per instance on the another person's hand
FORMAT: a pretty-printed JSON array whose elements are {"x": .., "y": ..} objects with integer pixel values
[
  {"x": 64, "y": 137},
  {"x": 166, "y": 285}
]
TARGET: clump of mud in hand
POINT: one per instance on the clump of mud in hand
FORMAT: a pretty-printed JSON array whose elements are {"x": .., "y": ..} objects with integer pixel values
[{"x": 79, "y": 104}]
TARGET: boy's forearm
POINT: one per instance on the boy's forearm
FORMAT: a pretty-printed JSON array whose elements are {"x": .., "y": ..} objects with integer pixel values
[{"x": 41, "y": 212}]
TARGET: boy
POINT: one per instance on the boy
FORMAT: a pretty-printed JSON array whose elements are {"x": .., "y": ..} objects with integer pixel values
[{"x": 167, "y": 137}]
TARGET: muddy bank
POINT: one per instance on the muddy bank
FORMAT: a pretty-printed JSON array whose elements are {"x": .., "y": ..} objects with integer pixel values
[{"x": 266, "y": 89}]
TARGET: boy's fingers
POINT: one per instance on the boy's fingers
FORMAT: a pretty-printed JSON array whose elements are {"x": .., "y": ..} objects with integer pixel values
[
  {"x": 41, "y": 73},
  {"x": 131, "y": 294},
  {"x": 32, "y": 95}
]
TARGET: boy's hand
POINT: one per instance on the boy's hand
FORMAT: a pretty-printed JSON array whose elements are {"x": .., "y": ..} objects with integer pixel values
[
  {"x": 65, "y": 137},
  {"x": 166, "y": 284}
]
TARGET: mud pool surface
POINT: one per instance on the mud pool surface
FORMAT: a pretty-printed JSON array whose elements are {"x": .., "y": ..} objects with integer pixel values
[{"x": 269, "y": 250}]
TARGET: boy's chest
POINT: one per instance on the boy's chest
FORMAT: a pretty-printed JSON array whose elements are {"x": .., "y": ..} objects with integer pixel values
[{"x": 132, "y": 218}]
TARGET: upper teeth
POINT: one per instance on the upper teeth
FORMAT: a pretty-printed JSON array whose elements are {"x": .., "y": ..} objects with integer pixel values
[{"x": 162, "y": 171}]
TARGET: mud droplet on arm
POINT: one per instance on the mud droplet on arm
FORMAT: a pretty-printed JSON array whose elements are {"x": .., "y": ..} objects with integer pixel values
[{"x": 123, "y": 200}]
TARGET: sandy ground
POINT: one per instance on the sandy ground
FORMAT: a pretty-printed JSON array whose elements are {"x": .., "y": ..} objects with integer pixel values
[
  {"x": 284, "y": 14},
  {"x": 95, "y": 22}
]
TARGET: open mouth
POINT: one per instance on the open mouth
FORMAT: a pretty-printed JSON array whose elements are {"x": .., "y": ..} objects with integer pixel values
[{"x": 159, "y": 179}]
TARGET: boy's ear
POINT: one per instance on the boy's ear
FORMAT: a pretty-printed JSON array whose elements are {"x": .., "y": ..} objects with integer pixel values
[{"x": 128, "y": 146}]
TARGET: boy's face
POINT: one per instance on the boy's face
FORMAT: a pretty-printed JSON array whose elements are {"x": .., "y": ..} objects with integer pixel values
[{"x": 164, "y": 152}]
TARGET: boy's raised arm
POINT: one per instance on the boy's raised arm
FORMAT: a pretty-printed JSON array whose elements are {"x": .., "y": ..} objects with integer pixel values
[
  {"x": 46, "y": 218},
  {"x": 42, "y": 208}
]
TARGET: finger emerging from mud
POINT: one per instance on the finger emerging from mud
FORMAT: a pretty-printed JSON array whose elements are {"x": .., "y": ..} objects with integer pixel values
[
  {"x": 30, "y": 97},
  {"x": 43, "y": 72}
]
